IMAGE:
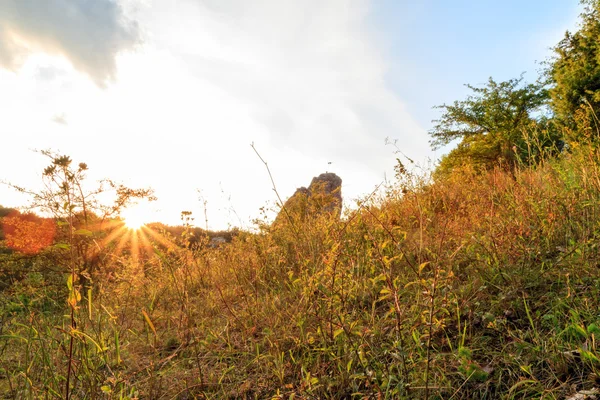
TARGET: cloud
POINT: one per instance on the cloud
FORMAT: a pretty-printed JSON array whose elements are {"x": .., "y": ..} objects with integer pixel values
[
  {"x": 89, "y": 33},
  {"x": 48, "y": 73},
  {"x": 308, "y": 71},
  {"x": 305, "y": 80}
]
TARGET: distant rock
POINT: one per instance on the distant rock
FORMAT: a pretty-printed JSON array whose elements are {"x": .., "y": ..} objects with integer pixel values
[
  {"x": 217, "y": 241},
  {"x": 326, "y": 191},
  {"x": 324, "y": 195}
]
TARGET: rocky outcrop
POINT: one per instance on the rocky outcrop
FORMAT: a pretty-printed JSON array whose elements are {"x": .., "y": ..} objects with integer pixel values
[
  {"x": 324, "y": 195},
  {"x": 326, "y": 191}
]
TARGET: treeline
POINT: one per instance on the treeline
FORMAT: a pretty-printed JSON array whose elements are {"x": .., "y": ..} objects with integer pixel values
[
  {"x": 194, "y": 236},
  {"x": 517, "y": 123},
  {"x": 29, "y": 226},
  {"x": 4, "y": 211}
]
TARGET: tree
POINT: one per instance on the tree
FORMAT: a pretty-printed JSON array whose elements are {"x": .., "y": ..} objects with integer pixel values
[
  {"x": 28, "y": 233},
  {"x": 4, "y": 211},
  {"x": 78, "y": 209},
  {"x": 491, "y": 124},
  {"x": 575, "y": 71}
]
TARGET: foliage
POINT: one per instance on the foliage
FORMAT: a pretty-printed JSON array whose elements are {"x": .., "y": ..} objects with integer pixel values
[
  {"x": 575, "y": 71},
  {"x": 492, "y": 124},
  {"x": 481, "y": 283},
  {"x": 4, "y": 211},
  {"x": 64, "y": 196},
  {"x": 78, "y": 209},
  {"x": 65, "y": 193},
  {"x": 28, "y": 233},
  {"x": 478, "y": 285}
]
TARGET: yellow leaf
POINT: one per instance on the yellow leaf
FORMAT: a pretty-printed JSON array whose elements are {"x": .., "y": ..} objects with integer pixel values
[{"x": 149, "y": 322}]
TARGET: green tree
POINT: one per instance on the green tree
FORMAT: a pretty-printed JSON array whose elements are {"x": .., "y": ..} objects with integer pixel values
[
  {"x": 575, "y": 72},
  {"x": 493, "y": 124}
]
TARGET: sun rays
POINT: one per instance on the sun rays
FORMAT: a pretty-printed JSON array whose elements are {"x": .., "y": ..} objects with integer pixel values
[
  {"x": 140, "y": 244},
  {"x": 136, "y": 217},
  {"x": 133, "y": 235}
]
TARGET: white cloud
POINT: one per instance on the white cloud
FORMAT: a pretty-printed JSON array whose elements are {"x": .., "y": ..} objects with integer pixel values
[
  {"x": 308, "y": 74},
  {"x": 87, "y": 32},
  {"x": 307, "y": 70},
  {"x": 302, "y": 79}
]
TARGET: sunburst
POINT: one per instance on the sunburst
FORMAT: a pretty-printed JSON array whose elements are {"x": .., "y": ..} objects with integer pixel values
[
  {"x": 132, "y": 234},
  {"x": 136, "y": 217}
]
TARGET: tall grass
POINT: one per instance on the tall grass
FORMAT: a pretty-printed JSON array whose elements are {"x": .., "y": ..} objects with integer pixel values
[{"x": 478, "y": 285}]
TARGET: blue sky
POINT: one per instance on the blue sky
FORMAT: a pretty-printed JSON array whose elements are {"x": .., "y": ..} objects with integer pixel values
[
  {"x": 437, "y": 46},
  {"x": 170, "y": 94}
]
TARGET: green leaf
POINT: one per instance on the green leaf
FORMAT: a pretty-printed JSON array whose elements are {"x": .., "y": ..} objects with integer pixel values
[
  {"x": 88, "y": 337},
  {"x": 578, "y": 330},
  {"x": 83, "y": 232},
  {"x": 64, "y": 246},
  {"x": 526, "y": 368},
  {"x": 464, "y": 352},
  {"x": 14, "y": 337},
  {"x": 588, "y": 355},
  {"x": 593, "y": 329},
  {"x": 416, "y": 337}
]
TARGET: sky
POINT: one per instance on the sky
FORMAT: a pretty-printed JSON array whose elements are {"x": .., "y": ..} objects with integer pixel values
[{"x": 171, "y": 94}]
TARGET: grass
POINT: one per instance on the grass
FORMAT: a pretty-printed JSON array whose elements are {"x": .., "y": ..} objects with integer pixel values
[{"x": 473, "y": 286}]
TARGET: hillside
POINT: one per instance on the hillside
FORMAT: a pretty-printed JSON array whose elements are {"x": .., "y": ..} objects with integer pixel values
[
  {"x": 475, "y": 286},
  {"x": 479, "y": 279}
]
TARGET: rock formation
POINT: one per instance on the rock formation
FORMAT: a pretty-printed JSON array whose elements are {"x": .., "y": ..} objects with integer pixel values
[{"x": 324, "y": 195}]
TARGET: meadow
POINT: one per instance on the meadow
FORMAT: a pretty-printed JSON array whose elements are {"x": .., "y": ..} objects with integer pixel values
[
  {"x": 478, "y": 285},
  {"x": 479, "y": 279}
]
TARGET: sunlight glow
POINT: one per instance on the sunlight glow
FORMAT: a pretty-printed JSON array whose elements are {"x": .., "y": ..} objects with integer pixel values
[
  {"x": 134, "y": 222},
  {"x": 136, "y": 217}
]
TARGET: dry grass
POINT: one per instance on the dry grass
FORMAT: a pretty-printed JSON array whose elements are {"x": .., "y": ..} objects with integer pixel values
[{"x": 475, "y": 286}]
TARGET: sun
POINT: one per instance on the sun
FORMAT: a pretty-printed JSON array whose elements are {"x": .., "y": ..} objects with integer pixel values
[
  {"x": 136, "y": 217},
  {"x": 134, "y": 222},
  {"x": 133, "y": 234}
]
